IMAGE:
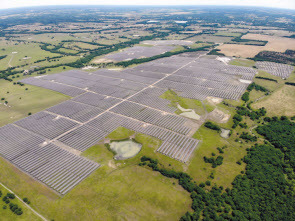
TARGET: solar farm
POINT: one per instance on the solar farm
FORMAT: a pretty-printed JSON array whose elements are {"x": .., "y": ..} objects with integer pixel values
[
  {"x": 49, "y": 143},
  {"x": 139, "y": 52},
  {"x": 276, "y": 69}
]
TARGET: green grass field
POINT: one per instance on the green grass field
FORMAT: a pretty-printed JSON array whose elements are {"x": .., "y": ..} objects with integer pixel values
[
  {"x": 242, "y": 62},
  {"x": 224, "y": 174},
  {"x": 187, "y": 103}
]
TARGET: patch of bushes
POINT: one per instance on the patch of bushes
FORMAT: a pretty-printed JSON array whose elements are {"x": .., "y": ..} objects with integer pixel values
[
  {"x": 214, "y": 161},
  {"x": 212, "y": 126}
]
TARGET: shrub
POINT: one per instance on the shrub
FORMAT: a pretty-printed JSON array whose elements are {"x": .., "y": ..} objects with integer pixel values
[{"x": 212, "y": 126}]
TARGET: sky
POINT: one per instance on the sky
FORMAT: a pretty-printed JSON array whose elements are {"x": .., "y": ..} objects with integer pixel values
[{"x": 289, "y": 4}]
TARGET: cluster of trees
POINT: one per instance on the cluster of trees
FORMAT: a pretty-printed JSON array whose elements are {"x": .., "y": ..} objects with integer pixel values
[
  {"x": 246, "y": 96},
  {"x": 216, "y": 52},
  {"x": 237, "y": 119},
  {"x": 287, "y": 57},
  {"x": 214, "y": 161},
  {"x": 13, "y": 207},
  {"x": 3, "y": 56},
  {"x": 257, "y": 87},
  {"x": 249, "y": 41},
  {"x": 212, "y": 126},
  {"x": 290, "y": 83},
  {"x": 48, "y": 59},
  {"x": 248, "y": 137},
  {"x": 87, "y": 42},
  {"x": 55, "y": 49},
  {"x": 265, "y": 78},
  {"x": 249, "y": 112}
]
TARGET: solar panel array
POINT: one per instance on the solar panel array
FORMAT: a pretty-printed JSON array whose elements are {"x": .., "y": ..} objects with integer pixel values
[
  {"x": 138, "y": 52},
  {"x": 46, "y": 162},
  {"x": 277, "y": 69},
  {"x": 49, "y": 142}
]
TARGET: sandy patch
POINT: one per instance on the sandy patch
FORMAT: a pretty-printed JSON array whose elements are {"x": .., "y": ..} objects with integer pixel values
[
  {"x": 224, "y": 133},
  {"x": 101, "y": 60},
  {"x": 214, "y": 100},
  {"x": 89, "y": 68},
  {"x": 112, "y": 164},
  {"x": 218, "y": 116},
  {"x": 189, "y": 113}
]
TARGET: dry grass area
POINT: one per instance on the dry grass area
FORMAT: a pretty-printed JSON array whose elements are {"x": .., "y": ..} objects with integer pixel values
[
  {"x": 281, "y": 102},
  {"x": 244, "y": 51},
  {"x": 275, "y": 43},
  {"x": 279, "y": 44}
]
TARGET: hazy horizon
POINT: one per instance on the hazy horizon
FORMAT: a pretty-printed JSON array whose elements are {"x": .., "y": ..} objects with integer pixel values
[{"x": 282, "y": 4}]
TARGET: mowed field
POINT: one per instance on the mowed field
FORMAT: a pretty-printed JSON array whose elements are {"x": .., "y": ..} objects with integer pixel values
[{"x": 279, "y": 44}]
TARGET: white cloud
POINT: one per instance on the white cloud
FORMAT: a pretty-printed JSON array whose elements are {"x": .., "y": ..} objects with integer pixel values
[{"x": 290, "y": 4}]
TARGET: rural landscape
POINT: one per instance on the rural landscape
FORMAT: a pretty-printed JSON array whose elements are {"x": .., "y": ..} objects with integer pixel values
[{"x": 147, "y": 113}]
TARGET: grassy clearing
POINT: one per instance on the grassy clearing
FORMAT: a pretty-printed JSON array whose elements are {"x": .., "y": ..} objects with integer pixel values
[
  {"x": 242, "y": 62},
  {"x": 270, "y": 85},
  {"x": 120, "y": 133},
  {"x": 254, "y": 95},
  {"x": 186, "y": 103},
  {"x": 224, "y": 174}
]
